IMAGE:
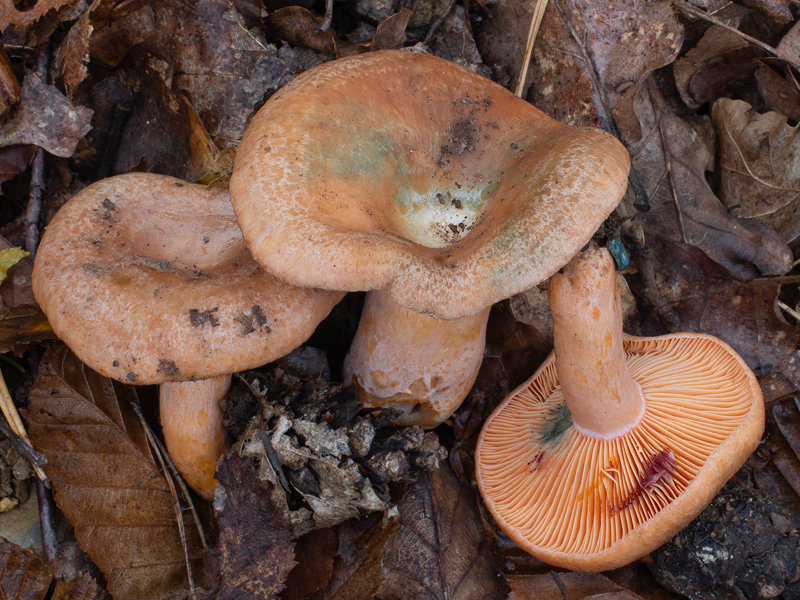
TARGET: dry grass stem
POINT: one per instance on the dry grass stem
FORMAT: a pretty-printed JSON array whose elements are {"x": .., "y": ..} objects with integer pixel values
[
  {"x": 15, "y": 422},
  {"x": 536, "y": 22}
]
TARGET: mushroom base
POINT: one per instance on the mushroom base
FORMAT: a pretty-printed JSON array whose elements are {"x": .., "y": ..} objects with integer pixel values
[{"x": 420, "y": 364}]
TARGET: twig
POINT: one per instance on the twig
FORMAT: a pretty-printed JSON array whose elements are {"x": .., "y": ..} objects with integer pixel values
[
  {"x": 46, "y": 513},
  {"x": 328, "y": 19},
  {"x": 696, "y": 12},
  {"x": 34, "y": 209},
  {"x": 34, "y": 457},
  {"x": 176, "y": 474},
  {"x": 788, "y": 309},
  {"x": 175, "y": 498},
  {"x": 15, "y": 422},
  {"x": 536, "y": 22},
  {"x": 438, "y": 23}
]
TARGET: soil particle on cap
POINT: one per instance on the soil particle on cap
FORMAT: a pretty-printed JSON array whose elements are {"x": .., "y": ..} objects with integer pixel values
[
  {"x": 109, "y": 204},
  {"x": 462, "y": 139},
  {"x": 167, "y": 367},
  {"x": 199, "y": 318},
  {"x": 252, "y": 321},
  {"x": 130, "y": 377}
]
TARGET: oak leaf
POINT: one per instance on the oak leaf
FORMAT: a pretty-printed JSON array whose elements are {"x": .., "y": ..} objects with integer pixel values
[{"x": 22, "y": 575}]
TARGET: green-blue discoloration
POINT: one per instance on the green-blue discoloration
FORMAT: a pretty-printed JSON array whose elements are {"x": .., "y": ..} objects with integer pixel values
[{"x": 557, "y": 420}]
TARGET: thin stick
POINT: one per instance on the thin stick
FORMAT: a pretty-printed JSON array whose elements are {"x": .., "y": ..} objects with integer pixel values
[
  {"x": 15, "y": 422},
  {"x": 536, "y": 22},
  {"x": 175, "y": 499},
  {"x": 786, "y": 308},
  {"x": 438, "y": 23},
  {"x": 34, "y": 456},
  {"x": 178, "y": 478},
  {"x": 47, "y": 511},
  {"x": 696, "y": 12}
]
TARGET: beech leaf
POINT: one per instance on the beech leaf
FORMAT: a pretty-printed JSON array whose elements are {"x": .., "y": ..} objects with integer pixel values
[
  {"x": 22, "y": 575},
  {"x": 557, "y": 586},
  {"x": 105, "y": 479},
  {"x": 255, "y": 552}
]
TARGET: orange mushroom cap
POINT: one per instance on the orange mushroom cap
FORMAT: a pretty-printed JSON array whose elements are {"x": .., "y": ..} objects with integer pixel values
[
  {"x": 616, "y": 442},
  {"x": 147, "y": 279},
  {"x": 407, "y": 173}
]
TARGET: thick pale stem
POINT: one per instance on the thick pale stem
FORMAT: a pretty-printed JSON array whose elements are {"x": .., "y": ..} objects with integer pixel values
[
  {"x": 408, "y": 360},
  {"x": 191, "y": 420},
  {"x": 602, "y": 397}
]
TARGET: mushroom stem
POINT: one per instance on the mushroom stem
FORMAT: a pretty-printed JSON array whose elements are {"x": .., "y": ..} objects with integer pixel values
[
  {"x": 408, "y": 360},
  {"x": 191, "y": 420},
  {"x": 603, "y": 399}
]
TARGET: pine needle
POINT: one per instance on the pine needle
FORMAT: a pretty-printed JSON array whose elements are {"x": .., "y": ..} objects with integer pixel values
[{"x": 536, "y": 22}]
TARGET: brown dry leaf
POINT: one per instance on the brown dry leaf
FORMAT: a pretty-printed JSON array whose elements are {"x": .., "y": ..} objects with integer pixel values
[
  {"x": 163, "y": 133},
  {"x": 226, "y": 68},
  {"x": 315, "y": 553},
  {"x": 22, "y": 575},
  {"x": 709, "y": 300},
  {"x": 773, "y": 9},
  {"x": 438, "y": 552},
  {"x": 81, "y": 588},
  {"x": 760, "y": 160},
  {"x": 672, "y": 159},
  {"x": 9, "y": 86},
  {"x": 299, "y": 27},
  {"x": 255, "y": 551},
  {"x": 44, "y": 117},
  {"x": 557, "y": 586},
  {"x": 105, "y": 479},
  {"x": 22, "y": 326},
  {"x": 390, "y": 33},
  {"x": 617, "y": 44},
  {"x": 10, "y": 15},
  {"x": 73, "y": 52},
  {"x": 778, "y": 92},
  {"x": 789, "y": 46}
]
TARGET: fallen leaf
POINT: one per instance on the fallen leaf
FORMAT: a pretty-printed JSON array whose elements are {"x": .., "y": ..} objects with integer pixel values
[
  {"x": 719, "y": 62},
  {"x": 390, "y": 33},
  {"x": 557, "y": 586},
  {"x": 8, "y": 258},
  {"x": 44, "y": 117},
  {"x": 315, "y": 553},
  {"x": 255, "y": 551},
  {"x": 105, "y": 479},
  {"x": 589, "y": 57},
  {"x": 789, "y": 46},
  {"x": 298, "y": 26},
  {"x": 163, "y": 133},
  {"x": 22, "y": 326},
  {"x": 778, "y": 92},
  {"x": 10, "y": 15},
  {"x": 453, "y": 41},
  {"x": 672, "y": 159},
  {"x": 774, "y": 9},
  {"x": 73, "y": 52},
  {"x": 13, "y": 161},
  {"x": 438, "y": 551},
  {"x": 9, "y": 86},
  {"x": 22, "y": 575},
  {"x": 708, "y": 299},
  {"x": 760, "y": 160},
  {"x": 81, "y": 588}
]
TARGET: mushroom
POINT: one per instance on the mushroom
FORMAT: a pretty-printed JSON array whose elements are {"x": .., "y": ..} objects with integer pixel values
[
  {"x": 408, "y": 174},
  {"x": 147, "y": 279},
  {"x": 617, "y": 441}
]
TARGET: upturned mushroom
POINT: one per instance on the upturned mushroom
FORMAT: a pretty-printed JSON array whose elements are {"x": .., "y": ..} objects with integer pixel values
[
  {"x": 147, "y": 279},
  {"x": 616, "y": 442},
  {"x": 411, "y": 175}
]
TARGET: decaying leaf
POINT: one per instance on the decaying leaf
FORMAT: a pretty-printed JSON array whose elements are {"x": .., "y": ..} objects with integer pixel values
[
  {"x": 44, "y": 117},
  {"x": 81, "y": 588},
  {"x": 9, "y": 86},
  {"x": 557, "y": 586},
  {"x": 390, "y": 33},
  {"x": 438, "y": 552},
  {"x": 589, "y": 57},
  {"x": 672, "y": 159},
  {"x": 434, "y": 550},
  {"x": 708, "y": 299},
  {"x": 22, "y": 575},
  {"x": 21, "y": 326},
  {"x": 780, "y": 93},
  {"x": 326, "y": 463},
  {"x": 298, "y": 26},
  {"x": 73, "y": 52},
  {"x": 255, "y": 551},
  {"x": 10, "y": 15},
  {"x": 8, "y": 258},
  {"x": 105, "y": 479},
  {"x": 719, "y": 62},
  {"x": 760, "y": 160}
]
